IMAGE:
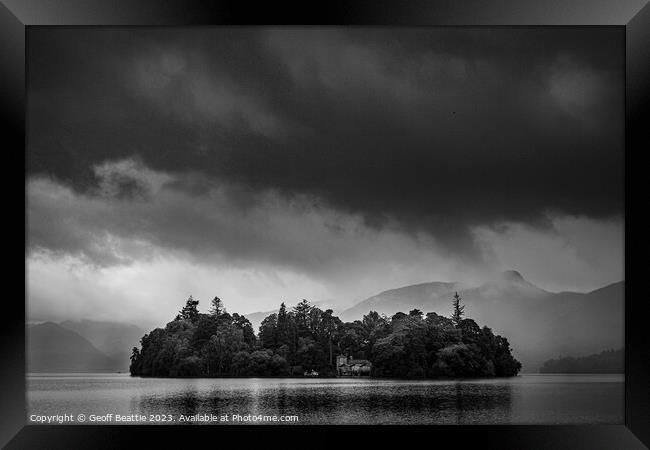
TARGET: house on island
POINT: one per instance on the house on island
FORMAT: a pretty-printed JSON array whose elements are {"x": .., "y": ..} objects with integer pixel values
[{"x": 348, "y": 367}]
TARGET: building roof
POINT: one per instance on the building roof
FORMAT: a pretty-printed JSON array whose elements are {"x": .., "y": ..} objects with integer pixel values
[{"x": 359, "y": 361}]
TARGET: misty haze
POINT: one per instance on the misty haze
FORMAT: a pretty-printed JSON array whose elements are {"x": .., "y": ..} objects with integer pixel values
[{"x": 325, "y": 225}]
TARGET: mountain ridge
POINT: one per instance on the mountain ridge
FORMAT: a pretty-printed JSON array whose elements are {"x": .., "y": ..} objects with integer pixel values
[
  {"x": 115, "y": 339},
  {"x": 539, "y": 324},
  {"x": 53, "y": 348}
]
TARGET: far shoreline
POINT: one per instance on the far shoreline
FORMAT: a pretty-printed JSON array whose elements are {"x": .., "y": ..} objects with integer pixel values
[{"x": 526, "y": 374}]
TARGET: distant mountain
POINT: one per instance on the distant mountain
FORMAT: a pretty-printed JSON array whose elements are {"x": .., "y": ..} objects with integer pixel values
[
  {"x": 114, "y": 339},
  {"x": 52, "y": 348},
  {"x": 402, "y": 299},
  {"x": 608, "y": 361},
  {"x": 539, "y": 324},
  {"x": 257, "y": 317}
]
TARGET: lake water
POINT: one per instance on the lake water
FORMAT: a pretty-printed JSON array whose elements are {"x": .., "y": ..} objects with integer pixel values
[{"x": 525, "y": 399}]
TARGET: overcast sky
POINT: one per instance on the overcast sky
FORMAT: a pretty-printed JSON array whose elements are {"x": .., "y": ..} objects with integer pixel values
[{"x": 273, "y": 164}]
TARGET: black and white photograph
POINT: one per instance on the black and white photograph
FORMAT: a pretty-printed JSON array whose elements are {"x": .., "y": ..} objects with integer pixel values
[{"x": 325, "y": 225}]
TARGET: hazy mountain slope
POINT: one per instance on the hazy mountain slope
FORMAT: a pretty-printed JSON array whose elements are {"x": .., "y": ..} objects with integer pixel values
[
  {"x": 585, "y": 323},
  {"x": 539, "y": 324},
  {"x": 607, "y": 361},
  {"x": 257, "y": 317},
  {"x": 113, "y": 338},
  {"x": 403, "y": 299},
  {"x": 52, "y": 348}
]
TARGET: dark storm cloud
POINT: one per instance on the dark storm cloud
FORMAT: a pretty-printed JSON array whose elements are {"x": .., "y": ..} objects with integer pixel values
[
  {"x": 438, "y": 129},
  {"x": 214, "y": 226}
]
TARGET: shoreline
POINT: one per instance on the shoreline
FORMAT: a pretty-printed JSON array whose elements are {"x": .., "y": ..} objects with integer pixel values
[{"x": 125, "y": 374}]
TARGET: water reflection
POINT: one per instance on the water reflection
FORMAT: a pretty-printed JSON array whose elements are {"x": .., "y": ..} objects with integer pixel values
[
  {"x": 454, "y": 402},
  {"x": 547, "y": 399}
]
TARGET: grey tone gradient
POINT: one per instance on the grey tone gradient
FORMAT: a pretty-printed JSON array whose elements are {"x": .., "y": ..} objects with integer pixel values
[
  {"x": 516, "y": 12},
  {"x": 277, "y": 163}
]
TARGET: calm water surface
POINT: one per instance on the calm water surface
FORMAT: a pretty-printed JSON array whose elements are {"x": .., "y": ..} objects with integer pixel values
[{"x": 526, "y": 399}]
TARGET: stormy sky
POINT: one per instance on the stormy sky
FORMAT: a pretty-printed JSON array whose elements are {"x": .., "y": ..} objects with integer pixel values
[{"x": 274, "y": 164}]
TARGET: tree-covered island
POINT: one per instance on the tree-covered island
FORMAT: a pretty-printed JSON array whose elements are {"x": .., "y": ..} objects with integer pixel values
[{"x": 307, "y": 339}]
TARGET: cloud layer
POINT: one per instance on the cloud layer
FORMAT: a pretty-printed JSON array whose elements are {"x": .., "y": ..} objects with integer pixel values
[
  {"x": 347, "y": 160},
  {"x": 146, "y": 239}
]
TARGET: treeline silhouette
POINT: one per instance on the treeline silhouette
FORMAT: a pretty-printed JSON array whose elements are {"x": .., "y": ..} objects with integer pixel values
[
  {"x": 608, "y": 361},
  {"x": 306, "y": 338}
]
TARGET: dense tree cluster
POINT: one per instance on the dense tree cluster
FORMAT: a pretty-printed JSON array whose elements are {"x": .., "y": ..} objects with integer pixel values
[
  {"x": 196, "y": 344},
  {"x": 430, "y": 346},
  {"x": 307, "y": 338},
  {"x": 608, "y": 361}
]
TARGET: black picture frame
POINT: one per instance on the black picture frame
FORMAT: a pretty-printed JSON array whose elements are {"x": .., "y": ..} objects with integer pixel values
[{"x": 633, "y": 15}]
